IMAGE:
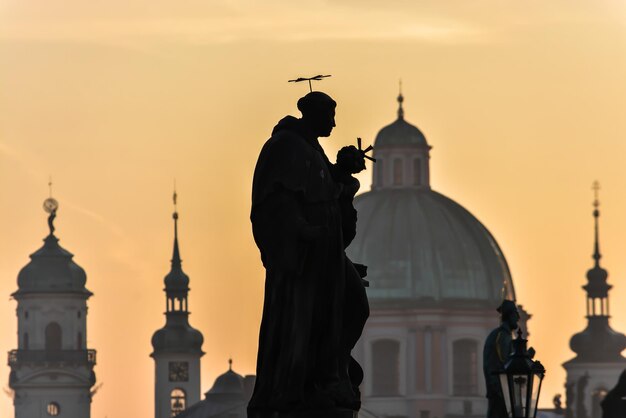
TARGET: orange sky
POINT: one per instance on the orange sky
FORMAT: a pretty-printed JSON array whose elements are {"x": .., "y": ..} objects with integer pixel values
[{"x": 523, "y": 103}]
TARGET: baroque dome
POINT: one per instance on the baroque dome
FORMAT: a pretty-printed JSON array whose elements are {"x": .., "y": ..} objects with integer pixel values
[
  {"x": 51, "y": 269},
  {"x": 422, "y": 248}
]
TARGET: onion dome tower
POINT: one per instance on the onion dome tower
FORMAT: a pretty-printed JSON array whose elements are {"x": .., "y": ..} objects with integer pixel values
[
  {"x": 436, "y": 277},
  {"x": 52, "y": 370},
  {"x": 177, "y": 347},
  {"x": 598, "y": 362}
]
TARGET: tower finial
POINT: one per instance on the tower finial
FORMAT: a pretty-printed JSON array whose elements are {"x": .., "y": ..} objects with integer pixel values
[
  {"x": 176, "y": 261},
  {"x": 596, "y": 214},
  {"x": 50, "y": 205},
  {"x": 230, "y": 364},
  {"x": 400, "y": 100}
]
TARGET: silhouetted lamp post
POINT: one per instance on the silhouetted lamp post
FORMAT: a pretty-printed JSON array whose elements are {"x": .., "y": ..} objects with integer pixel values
[{"x": 521, "y": 380}]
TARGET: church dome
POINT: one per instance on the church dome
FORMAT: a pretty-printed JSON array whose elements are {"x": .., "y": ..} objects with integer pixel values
[
  {"x": 229, "y": 383},
  {"x": 422, "y": 248},
  {"x": 52, "y": 269},
  {"x": 177, "y": 336},
  {"x": 598, "y": 342}
]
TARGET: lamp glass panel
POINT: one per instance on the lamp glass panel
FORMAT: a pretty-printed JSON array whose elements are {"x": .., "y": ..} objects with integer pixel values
[
  {"x": 520, "y": 391},
  {"x": 537, "y": 379},
  {"x": 504, "y": 382}
]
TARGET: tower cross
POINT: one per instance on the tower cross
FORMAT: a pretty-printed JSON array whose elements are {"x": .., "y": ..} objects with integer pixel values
[{"x": 596, "y": 189}]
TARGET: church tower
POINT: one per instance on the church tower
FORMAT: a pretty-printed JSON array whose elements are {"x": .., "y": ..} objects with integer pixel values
[
  {"x": 177, "y": 346},
  {"x": 52, "y": 369},
  {"x": 598, "y": 362}
]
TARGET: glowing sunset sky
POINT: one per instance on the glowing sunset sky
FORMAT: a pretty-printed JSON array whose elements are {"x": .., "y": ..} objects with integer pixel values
[{"x": 523, "y": 102}]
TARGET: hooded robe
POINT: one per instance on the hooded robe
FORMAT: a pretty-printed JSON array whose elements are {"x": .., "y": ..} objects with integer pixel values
[{"x": 296, "y": 223}]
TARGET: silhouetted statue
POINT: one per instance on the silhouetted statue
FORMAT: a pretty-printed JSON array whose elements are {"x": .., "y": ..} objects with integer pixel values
[
  {"x": 315, "y": 304},
  {"x": 558, "y": 405},
  {"x": 570, "y": 399},
  {"x": 496, "y": 352},
  {"x": 614, "y": 403},
  {"x": 581, "y": 386}
]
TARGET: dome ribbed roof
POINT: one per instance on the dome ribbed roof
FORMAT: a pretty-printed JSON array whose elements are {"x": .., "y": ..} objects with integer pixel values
[
  {"x": 422, "y": 248},
  {"x": 52, "y": 269}
]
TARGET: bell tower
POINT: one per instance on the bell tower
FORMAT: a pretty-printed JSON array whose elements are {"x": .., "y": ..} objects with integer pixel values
[
  {"x": 598, "y": 362},
  {"x": 52, "y": 369},
  {"x": 177, "y": 347}
]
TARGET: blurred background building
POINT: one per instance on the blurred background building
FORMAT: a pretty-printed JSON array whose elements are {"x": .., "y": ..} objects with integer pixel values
[{"x": 436, "y": 277}]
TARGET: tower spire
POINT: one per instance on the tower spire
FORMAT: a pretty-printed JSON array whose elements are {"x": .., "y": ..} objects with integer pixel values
[
  {"x": 400, "y": 101},
  {"x": 176, "y": 261},
  {"x": 596, "y": 214}
]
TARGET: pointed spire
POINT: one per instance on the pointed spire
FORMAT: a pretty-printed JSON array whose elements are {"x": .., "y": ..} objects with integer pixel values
[
  {"x": 596, "y": 214},
  {"x": 400, "y": 101},
  {"x": 176, "y": 261}
]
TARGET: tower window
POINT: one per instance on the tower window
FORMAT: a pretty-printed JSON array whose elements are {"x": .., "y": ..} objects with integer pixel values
[
  {"x": 79, "y": 341},
  {"x": 465, "y": 367},
  {"x": 26, "y": 341},
  {"x": 53, "y": 409},
  {"x": 178, "y": 401},
  {"x": 26, "y": 314},
  {"x": 386, "y": 368},
  {"x": 417, "y": 172},
  {"x": 78, "y": 314},
  {"x": 398, "y": 172},
  {"x": 53, "y": 336}
]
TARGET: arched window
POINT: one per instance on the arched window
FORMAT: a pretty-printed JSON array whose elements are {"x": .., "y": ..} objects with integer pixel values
[
  {"x": 26, "y": 341},
  {"x": 398, "y": 172},
  {"x": 53, "y": 336},
  {"x": 178, "y": 401},
  {"x": 417, "y": 172},
  {"x": 386, "y": 368},
  {"x": 79, "y": 341},
  {"x": 465, "y": 367},
  {"x": 53, "y": 409}
]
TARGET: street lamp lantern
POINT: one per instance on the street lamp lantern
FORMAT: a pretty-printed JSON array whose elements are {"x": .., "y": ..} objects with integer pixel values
[{"x": 521, "y": 379}]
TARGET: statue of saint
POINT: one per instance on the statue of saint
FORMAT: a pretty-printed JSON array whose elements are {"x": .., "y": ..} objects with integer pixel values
[
  {"x": 497, "y": 350},
  {"x": 315, "y": 305}
]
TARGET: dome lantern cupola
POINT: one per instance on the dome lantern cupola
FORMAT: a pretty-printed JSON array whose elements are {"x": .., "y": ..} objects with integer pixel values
[{"x": 402, "y": 155}]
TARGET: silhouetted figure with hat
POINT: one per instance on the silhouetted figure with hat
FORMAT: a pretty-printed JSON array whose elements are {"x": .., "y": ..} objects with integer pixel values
[
  {"x": 496, "y": 352},
  {"x": 315, "y": 305},
  {"x": 614, "y": 403}
]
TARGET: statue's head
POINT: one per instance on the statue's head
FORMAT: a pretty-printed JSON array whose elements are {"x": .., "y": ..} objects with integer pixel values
[
  {"x": 318, "y": 112},
  {"x": 509, "y": 313}
]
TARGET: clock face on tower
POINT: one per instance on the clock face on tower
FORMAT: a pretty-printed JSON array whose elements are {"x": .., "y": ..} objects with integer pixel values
[{"x": 179, "y": 371}]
